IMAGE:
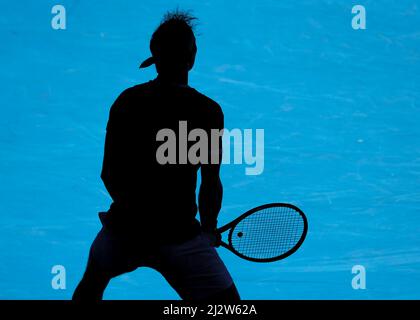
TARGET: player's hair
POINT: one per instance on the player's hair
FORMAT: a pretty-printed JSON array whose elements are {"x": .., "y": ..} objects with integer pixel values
[{"x": 181, "y": 17}]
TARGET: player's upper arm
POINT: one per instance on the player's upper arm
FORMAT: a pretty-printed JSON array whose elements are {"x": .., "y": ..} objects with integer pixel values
[
  {"x": 117, "y": 111},
  {"x": 210, "y": 171}
]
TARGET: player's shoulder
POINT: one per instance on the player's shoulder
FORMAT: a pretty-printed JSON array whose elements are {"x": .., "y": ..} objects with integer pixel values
[
  {"x": 129, "y": 96},
  {"x": 210, "y": 110},
  {"x": 137, "y": 90},
  {"x": 207, "y": 102}
]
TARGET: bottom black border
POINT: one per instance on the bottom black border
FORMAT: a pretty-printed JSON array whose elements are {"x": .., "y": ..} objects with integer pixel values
[{"x": 155, "y": 309}]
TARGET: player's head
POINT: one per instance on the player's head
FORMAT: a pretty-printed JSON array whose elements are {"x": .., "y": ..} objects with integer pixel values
[{"x": 173, "y": 44}]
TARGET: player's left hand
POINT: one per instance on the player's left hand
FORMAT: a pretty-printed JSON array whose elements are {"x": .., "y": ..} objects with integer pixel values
[{"x": 213, "y": 237}]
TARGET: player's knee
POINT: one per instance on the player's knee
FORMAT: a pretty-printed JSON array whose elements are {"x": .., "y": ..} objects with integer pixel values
[
  {"x": 91, "y": 287},
  {"x": 228, "y": 295}
]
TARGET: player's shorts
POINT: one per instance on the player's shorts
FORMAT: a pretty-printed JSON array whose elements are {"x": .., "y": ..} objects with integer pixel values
[{"x": 193, "y": 268}]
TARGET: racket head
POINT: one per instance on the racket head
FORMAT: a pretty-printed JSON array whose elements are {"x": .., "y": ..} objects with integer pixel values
[{"x": 267, "y": 233}]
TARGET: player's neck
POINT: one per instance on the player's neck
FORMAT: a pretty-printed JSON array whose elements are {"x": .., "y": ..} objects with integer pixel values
[{"x": 174, "y": 79}]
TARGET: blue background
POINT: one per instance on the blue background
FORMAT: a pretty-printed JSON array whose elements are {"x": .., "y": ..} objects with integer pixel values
[{"x": 340, "y": 109}]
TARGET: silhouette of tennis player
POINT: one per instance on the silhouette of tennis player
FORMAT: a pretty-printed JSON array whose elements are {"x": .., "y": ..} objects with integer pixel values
[{"x": 151, "y": 221}]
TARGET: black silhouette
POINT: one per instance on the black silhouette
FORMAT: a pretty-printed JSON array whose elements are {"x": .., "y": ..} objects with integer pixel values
[{"x": 151, "y": 221}]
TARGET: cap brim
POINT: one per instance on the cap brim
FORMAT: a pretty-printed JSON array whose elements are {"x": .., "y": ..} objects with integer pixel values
[{"x": 147, "y": 63}]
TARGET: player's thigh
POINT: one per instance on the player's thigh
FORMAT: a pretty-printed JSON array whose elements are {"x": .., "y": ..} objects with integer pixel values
[
  {"x": 110, "y": 255},
  {"x": 194, "y": 269}
]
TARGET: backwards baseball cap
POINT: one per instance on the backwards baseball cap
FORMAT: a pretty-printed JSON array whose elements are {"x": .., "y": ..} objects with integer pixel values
[{"x": 147, "y": 63}]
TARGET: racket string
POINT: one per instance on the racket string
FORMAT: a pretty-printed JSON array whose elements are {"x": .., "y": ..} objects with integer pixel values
[{"x": 268, "y": 233}]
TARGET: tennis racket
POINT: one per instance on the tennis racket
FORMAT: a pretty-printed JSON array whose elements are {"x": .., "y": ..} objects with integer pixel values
[{"x": 266, "y": 233}]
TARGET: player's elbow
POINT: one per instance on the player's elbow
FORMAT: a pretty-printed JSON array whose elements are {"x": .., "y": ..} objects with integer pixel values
[
  {"x": 105, "y": 177},
  {"x": 212, "y": 183}
]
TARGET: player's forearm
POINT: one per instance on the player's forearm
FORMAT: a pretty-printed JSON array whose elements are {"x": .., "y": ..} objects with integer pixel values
[
  {"x": 210, "y": 202},
  {"x": 117, "y": 186},
  {"x": 112, "y": 187}
]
